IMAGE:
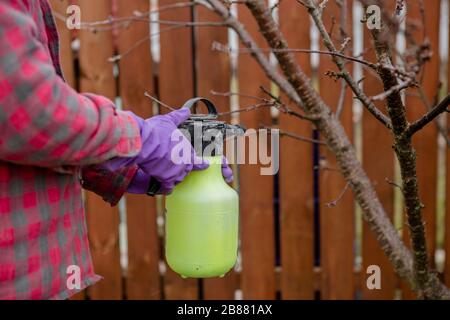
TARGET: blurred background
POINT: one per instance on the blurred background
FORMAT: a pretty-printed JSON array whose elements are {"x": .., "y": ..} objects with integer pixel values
[{"x": 301, "y": 234}]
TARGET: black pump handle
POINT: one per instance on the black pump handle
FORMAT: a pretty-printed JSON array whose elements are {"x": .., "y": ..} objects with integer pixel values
[{"x": 211, "y": 107}]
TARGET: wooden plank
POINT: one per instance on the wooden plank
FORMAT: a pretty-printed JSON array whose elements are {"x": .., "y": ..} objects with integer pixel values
[
  {"x": 256, "y": 190},
  {"x": 65, "y": 39},
  {"x": 214, "y": 73},
  {"x": 296, "y": 175},
  {"x": 135, "y": 77},
  {"x": 176, "y": 86},
  {"x": 103, "y": 220},
  {"x": 447, "y": 186},
  {"x": 425, "y": 142},
  {"x": 214, "y": 69},
  {"x": 378, "y": 161},
  {"x": 337, "y": 222},
  {"x": 67, "y": 63},
  {"x": 175, "y": 68}
]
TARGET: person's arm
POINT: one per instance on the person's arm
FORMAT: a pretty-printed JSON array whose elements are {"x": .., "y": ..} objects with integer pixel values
[
  {"x": 110, "y": 185},
  {"x": 44, "y": 122}
]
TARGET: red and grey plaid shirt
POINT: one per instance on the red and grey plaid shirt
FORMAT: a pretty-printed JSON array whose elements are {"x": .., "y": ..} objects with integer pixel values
[{"x": 48, "y": 130}]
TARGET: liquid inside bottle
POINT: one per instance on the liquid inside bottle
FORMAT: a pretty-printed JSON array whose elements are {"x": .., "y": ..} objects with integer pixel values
[{"x": 202, "y": 217}]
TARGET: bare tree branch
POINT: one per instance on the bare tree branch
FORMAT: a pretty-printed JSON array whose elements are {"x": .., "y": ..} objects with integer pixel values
[
  {"x": 392, "y": 183},
  {"x": 345, "y": 40},
  {"x": 339, "y": 198},
  {"x": 423, "y": 280},
  {"x": 295, "y": 136},
  {"x": 223, "y": 48},
  {"x": 442, "y": 129},
  {"x": 272, "y": 103},
  {"x": 430, "y": 115},
  {"x": 315, "y": 13},
  {"x": 141, "y": 42},
  {"x": 395, "y": 89},
  {"x": 138, "y": 16},
  {"x": 336, "y": 140},
  {"x": 159, "y": 102}
]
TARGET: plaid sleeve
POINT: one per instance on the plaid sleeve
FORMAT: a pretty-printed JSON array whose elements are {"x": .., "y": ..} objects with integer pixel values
[
  {"x": 109, "y": 185},
  {"x": 44, "y": 122}
]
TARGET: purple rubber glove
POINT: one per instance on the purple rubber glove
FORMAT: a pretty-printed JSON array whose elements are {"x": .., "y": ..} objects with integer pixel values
[
  {"x": 227, "y": 173},
  {"x": 154, "y": 159},
  {"x": 141, "y": 181}
]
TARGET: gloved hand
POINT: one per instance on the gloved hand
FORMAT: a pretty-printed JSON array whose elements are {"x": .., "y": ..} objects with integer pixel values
[
  {"x": 141, "y": 181},
  {"x": 154, "y": 159}
]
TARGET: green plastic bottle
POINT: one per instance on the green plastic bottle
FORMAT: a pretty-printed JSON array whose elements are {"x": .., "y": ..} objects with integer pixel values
[
  {"x": 202, "y": 212},
  {"x": 202, "y": 217}
]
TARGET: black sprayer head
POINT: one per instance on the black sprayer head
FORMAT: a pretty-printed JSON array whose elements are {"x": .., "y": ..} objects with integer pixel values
[{"x": 206, "y": 133}]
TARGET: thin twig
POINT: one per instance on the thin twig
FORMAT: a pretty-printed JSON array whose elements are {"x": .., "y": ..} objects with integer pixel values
[
  {"x": 274, "y": 103},
  {"x": 135, "y": 18},
  {"x": 126, "y": 22},
  {"x": 246, "y": 109},
  {"x": 148, "y": 95},
  {"x": 295, "y": 136},
  {"x": 140, "y": 42},
  {"x": 323, "y": 167},
  {"x": 342, "y": 4},
  {"x": 393, "y": 183},
  {"x": 229, "y": 94},
  {"x": 361, "y": 96},
  {"x": 270, "y": 94},
  {"x": 275, "y": 6},
  {"x": 284, "y": 108},
  {"x": 271, "y": 71},
  {"x": 217, "y": 46},
  {"x": 333, "y": 203},
  {"x": 395, "y": 89}
]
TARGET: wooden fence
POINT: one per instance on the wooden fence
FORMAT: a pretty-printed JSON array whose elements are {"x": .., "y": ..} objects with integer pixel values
[{"x": 292, "y": 244}]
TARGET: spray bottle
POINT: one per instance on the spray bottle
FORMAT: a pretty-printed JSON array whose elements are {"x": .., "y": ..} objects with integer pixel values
[{"x": 202, "y": 212}]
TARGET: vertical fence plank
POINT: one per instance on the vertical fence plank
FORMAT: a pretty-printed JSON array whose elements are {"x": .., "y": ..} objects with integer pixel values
[
  {"x": 425, "y": 141},
  {"x": 67, "y": 63},
  {"x": 337, "y": 221},
  {"x": 447, "y": 216},
  {"x": 176, "y": 67},
  {"x": 214, "y": 74},
  {"x": 214, "y": 69},
  {"x": 176, "y": 86},
  {"x": 378, "y": 161},
  {"x": 296, "y": 175},
  {"x": 135, "y": 77},
  {"x": 256, "y": 190},
  {"x": 65, "y": 39},
  {"x": 103, "y": 220},
  {"x": 447, "y": 184}
]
